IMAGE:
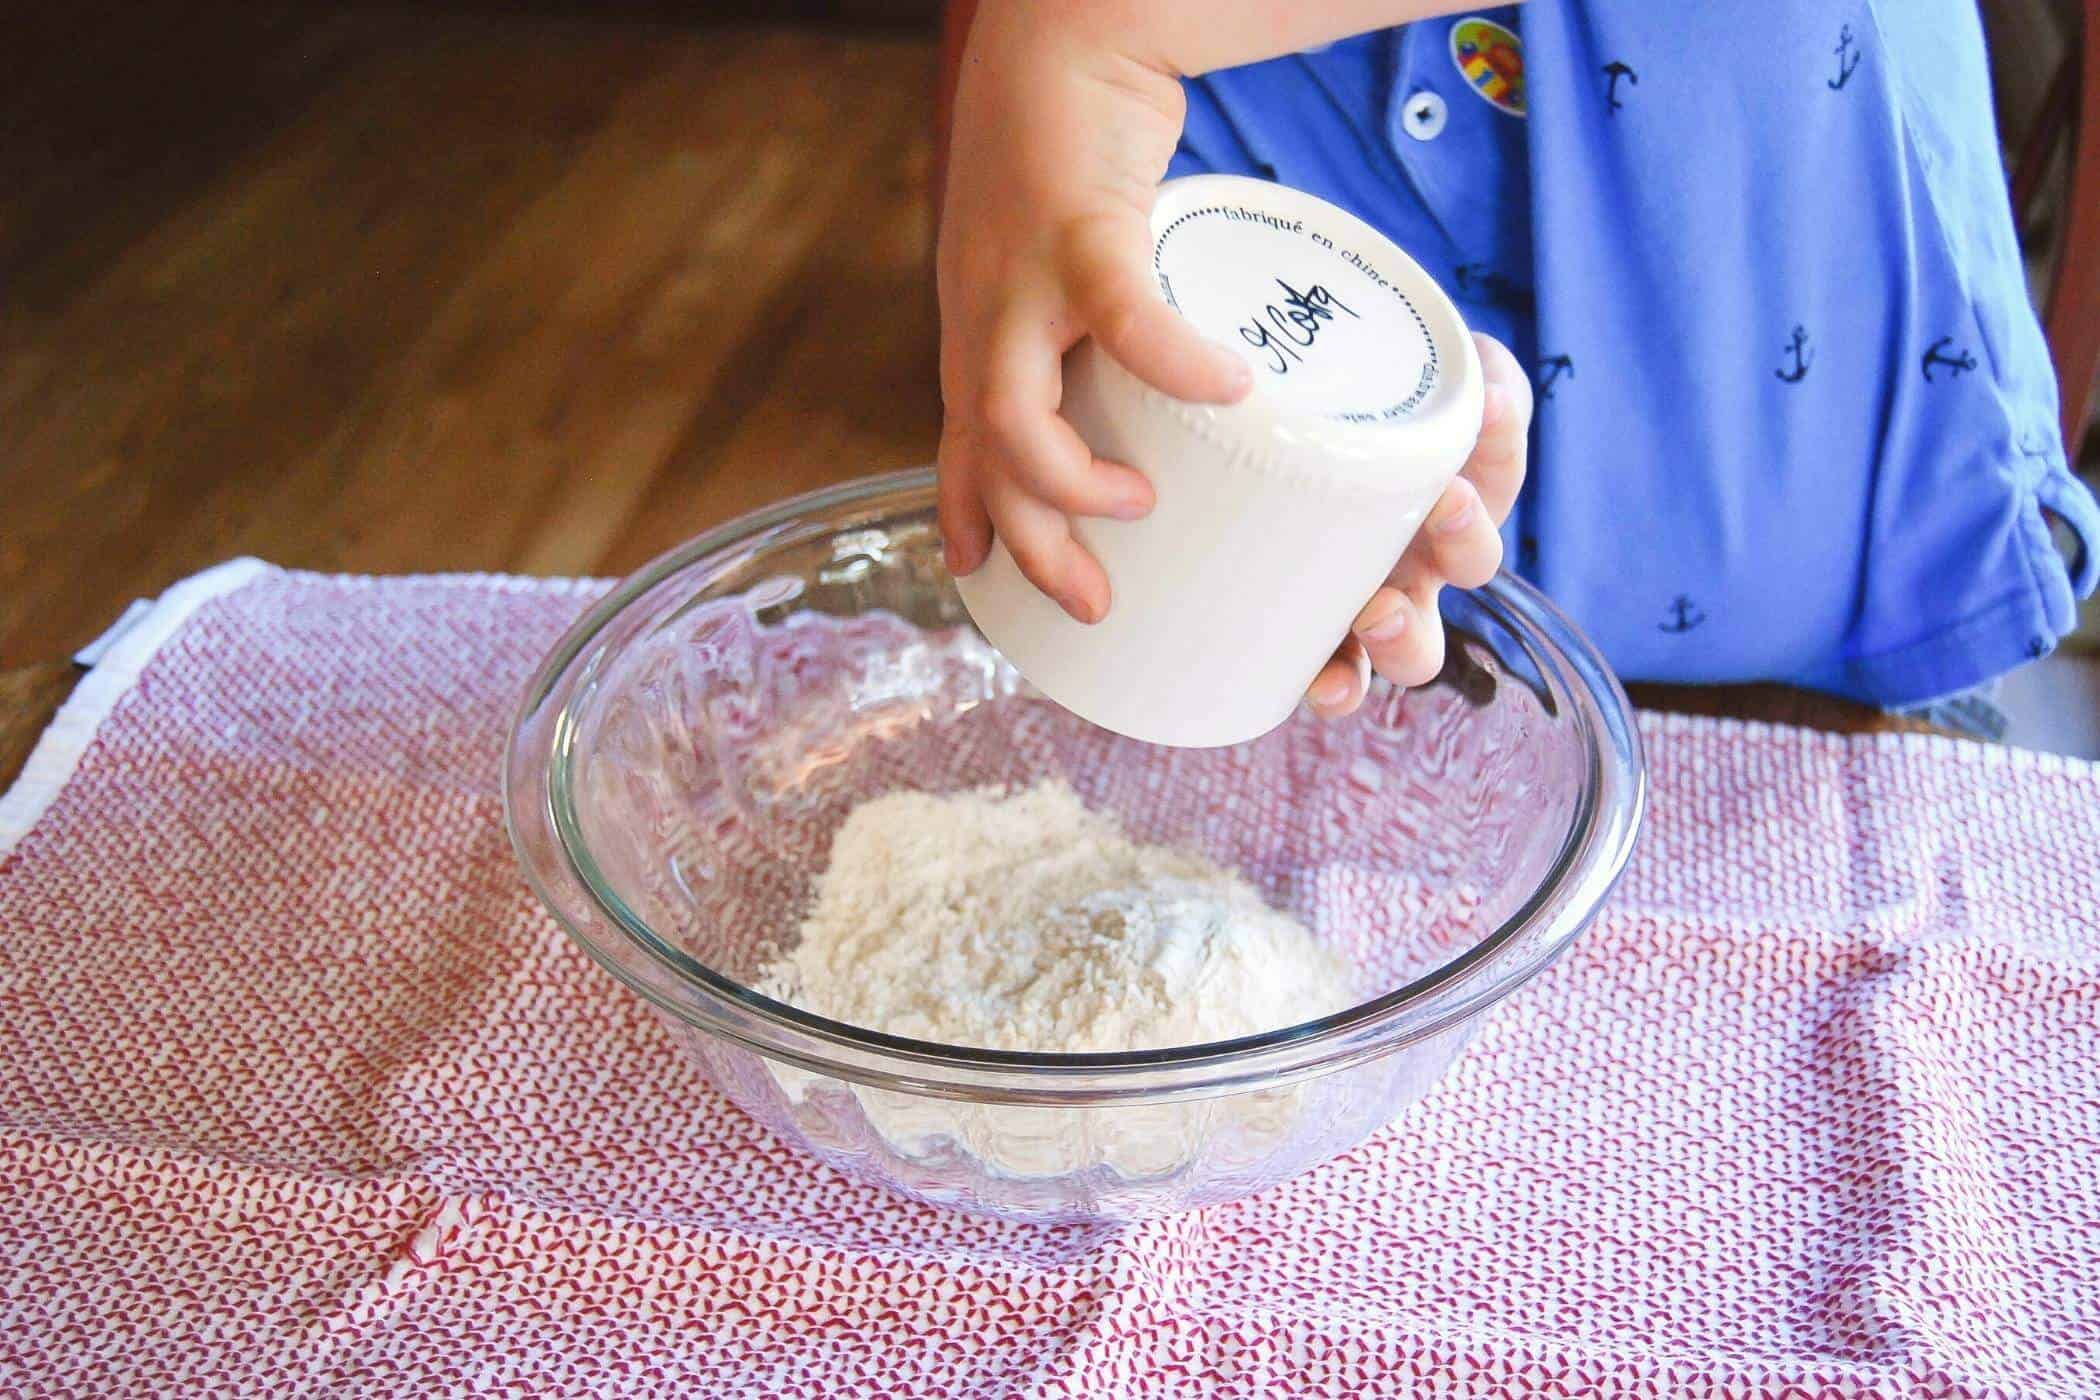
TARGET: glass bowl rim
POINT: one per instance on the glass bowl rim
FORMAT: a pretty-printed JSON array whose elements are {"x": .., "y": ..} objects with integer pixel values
[{"x": 1588, "y": 864}]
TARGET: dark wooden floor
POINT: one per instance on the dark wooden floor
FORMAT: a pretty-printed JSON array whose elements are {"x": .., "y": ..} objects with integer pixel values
[
  {"x": 392, "y": 290},
  {"x": 442, "y": 288}
]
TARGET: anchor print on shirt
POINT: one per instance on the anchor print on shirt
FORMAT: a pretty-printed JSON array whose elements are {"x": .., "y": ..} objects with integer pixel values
[
  {"x": 1614, "y": 71},
  {"x": 1477, "y": 279},
  {"x": 1847, "y": 56},
  {"x": 1684, "y": 615},
  {"x": 1803, "y": 357},
  {"x": 1551, "y": 369},
  {"x": 1960, "y": 362}
]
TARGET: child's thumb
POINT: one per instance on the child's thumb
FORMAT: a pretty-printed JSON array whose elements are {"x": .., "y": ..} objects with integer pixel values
[{"x": 1122, "y": 308}]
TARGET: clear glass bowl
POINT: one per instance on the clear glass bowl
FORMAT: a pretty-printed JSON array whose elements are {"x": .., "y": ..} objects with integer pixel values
[{"x": 686, "y": 752}]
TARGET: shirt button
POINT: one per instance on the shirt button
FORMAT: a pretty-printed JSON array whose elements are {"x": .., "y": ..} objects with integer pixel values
[{"x": 1424, "y": 116}]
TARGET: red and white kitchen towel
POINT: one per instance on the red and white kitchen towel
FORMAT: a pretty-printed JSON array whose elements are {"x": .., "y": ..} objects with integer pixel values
[{"x": 301, "y": 1092}]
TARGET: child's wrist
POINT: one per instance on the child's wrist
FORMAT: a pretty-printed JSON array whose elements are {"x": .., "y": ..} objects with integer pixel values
[
  {"x": 1179, "y": 39},
  {"x": 1104, "y": 35}
]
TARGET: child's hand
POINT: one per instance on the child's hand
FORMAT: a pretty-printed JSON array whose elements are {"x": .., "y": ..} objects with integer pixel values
[
  {"x": 1065, "y": 119},
  {"x": 1399, "y": 633},
  {"x": 1059, "y": 140}
]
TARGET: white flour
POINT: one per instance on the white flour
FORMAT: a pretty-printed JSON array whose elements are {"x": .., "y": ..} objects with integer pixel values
[
  {"x": 1023, "y": 921},
  {"x": 1027, "y": 922}
]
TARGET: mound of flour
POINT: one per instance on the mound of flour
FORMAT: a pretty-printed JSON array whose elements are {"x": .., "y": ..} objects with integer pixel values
[{"x": 1024, "y": 921}]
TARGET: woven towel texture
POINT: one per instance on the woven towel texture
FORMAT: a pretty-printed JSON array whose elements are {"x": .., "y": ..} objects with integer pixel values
[{"x": 301, "y": 1092}]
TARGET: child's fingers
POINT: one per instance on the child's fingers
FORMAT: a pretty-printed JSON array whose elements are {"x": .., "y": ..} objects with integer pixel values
[
  {"x": 1105, "y": 261},
  {"x": 1040, "y": 540},
  {"x": 1343, "y": 681},
  {"x": 1496, "y": 467},
  {"x": 966, "y": 530},
  {"x": 1463, "y": 546},
  {"x": 1019, "y": 425},
  {"x": 1097, "y": 488},
  {"x": 1460, "y": 542},
  {"x": 1403, "y": 635},
  {"x": 1399, "y": 634},
  {"x": 1051, "y": 461}
]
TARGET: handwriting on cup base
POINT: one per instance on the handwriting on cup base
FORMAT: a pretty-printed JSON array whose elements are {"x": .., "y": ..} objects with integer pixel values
[{"x": 1289, "y": 330}]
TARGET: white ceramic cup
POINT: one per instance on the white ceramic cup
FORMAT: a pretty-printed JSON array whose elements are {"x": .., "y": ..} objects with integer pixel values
[{"x": 1279, "y": 516}]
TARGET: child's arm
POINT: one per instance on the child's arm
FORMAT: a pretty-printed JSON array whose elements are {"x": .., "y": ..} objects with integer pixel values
[{"x": 1066, "y": 115}]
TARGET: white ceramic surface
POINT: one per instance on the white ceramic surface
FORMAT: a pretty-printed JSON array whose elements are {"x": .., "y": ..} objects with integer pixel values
[{"x": 1278, "y": 516}]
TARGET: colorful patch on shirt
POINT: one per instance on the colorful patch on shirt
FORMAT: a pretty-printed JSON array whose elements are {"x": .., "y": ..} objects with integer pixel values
[{"x": 1491, "y": 59}]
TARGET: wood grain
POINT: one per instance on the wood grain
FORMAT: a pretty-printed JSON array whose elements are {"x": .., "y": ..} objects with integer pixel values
[
  {"x": 1776, "y": 704},
  {"x": 436, "y": 288},
  {"x": 29, "y": 696},
  {"x": 462, "y": 308}
]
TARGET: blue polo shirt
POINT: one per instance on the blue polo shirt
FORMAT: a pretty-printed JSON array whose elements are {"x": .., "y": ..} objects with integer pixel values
[{"x": 1796, "y": 418}]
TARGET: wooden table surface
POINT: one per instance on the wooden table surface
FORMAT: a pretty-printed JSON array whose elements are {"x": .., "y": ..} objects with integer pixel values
[{"x": 417, "y": 289}]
